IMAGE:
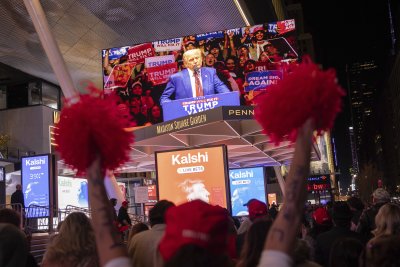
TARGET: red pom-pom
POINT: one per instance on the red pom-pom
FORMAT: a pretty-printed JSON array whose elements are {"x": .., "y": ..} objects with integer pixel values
[
  {"x": 94, "y": 125},
  {"x": 305, "y": 92}
]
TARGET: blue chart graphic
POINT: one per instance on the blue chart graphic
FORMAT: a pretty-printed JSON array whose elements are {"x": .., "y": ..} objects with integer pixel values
[
  {"x": 246, "y": 184},
  {"x": 35, "y": 181}
]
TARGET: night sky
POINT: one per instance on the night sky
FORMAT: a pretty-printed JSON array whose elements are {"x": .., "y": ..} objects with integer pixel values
[{"x": 345, "y": 32}]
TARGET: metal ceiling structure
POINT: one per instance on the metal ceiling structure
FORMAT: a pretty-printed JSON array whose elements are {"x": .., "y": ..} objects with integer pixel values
[
  {"x": 82, "y": 28},
  {"x": 231, "y": 126}
]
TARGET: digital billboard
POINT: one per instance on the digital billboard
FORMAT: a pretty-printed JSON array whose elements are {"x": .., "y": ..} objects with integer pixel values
[
  {"x": 245, "y": 184},
  {"x": 201, "y": 173},
  {"x": 72, "y": 191},
  {"x": 246, "y": 60},
  {"x": 36, "y": 180}
]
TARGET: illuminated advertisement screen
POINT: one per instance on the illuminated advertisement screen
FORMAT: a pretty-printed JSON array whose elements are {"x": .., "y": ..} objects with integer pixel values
[
  {"x": 246, "y": 59},
  {"x": 72, "y": 191},
  {"x": 318, "y": 183},
  {"x": 245, "y": 184},
  {"x": 36, "y": 180},
  {"x": 185, "y": 175}
]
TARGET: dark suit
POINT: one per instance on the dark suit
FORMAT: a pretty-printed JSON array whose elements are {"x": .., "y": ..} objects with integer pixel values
[{"x": 180, "y": 85}]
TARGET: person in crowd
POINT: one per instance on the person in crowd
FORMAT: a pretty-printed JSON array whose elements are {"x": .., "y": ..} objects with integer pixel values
[
  {"x": 190, "y": 45},
  {"x": 196, "y": 235},
  {"x": 210, "y": 60},
  {"x": 257, "y": 209},
  {"x": 273, "y": 210},
  {"x": 135, "y": 106},
  {"x": 272, "y": 52},
  {"x": 142, "y": 248},
  {"x": 155, "y": 115},
  {"x": 13, "y": 246},
  {"x": 341, "y": 217},
  {"x": 243, "y": 51},
  {"x": 387, "y": 221},
  {"x": 10, "y": 216},
  {"x": 114, "y": 202},
  {"x": 249, "y": 66},
  {"x": 137, "y": 228},
  {"x": 215, "y": 50},
  {"x": 13, "y": 217},
  {"x": 345, "y": 252},
  {"x": 253, "y": 243},
  {"x": 356, "y": 207},
  {"x": 124, "y": 221},
  {"x": 74, "y": 245},
  {"x": 225, "y": 76},
  {"x": 187, "y": 83},
  {"x": 302, "y": 255},
  {"x": 147, "y": 99},
  {"x": 383, "y": 253},
  {"x": 367, "y": 219},
  {"x": 258, "y": 42},
  {"x": 230, "y": 64},
  {"x": 18, "y": 198},
  {"x": 246, "y": 37}
]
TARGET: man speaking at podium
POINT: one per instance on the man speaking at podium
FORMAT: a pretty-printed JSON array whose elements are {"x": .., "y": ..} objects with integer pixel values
[{"x": 193, "y": 81}]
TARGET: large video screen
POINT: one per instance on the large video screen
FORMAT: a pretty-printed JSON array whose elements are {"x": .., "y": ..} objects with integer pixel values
[
  {"x": 72, "y": 191},
  {"x": 36, "y": 180},
  {"x": 246, "y": 60},
  {"x": 245, "y": 184},
  {"x": 186, "y": 175}
]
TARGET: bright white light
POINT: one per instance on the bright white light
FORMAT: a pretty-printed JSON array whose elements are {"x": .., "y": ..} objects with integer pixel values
[{"x": 246, "y": 21}]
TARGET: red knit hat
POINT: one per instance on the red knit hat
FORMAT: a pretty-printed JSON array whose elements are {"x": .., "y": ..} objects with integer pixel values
[
  {"x": 321, "y": 216},
  {"x": 197, "y": 223}
]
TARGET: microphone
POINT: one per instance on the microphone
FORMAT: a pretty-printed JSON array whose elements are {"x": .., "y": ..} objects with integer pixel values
[{"x": 196, "y": 69}]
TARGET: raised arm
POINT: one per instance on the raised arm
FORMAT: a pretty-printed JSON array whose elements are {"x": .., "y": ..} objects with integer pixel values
[
  {"x": 108, "y": 240},
  {"x": 285, "y": 228}
]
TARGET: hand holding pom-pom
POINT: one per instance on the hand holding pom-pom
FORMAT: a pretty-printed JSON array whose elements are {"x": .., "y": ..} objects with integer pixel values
[
  {"x": 94, "y": 125},
  {"x": 304, "y": 92}
]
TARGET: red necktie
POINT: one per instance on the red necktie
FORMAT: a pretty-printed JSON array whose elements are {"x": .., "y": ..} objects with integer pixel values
[{"x": 199, "y": 88}]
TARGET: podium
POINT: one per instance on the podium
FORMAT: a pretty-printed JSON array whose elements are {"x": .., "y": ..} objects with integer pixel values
[{"x": 183, "y": 107}]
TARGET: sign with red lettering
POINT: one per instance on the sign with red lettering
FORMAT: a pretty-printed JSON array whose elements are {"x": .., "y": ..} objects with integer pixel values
[
  {"x": 286, "y": 26},
  {"x": 159, "y": 75},
  {"x": 137, "y": 53}
]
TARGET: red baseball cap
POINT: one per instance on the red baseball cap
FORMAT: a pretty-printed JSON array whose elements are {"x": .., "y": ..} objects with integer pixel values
[
  {"x": 256, "y": 208},
  {"x": 321, "y": 216},
  {"x": 197, "y": 223},
  {"x": 124, "y": 203}
]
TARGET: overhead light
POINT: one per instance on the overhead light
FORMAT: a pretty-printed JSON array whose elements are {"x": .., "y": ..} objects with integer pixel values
[{"x": 239, "y": 7}]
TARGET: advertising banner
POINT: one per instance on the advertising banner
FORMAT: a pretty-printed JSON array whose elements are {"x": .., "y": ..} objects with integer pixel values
[
  {"x": 286, "y": 26},
  {"x": 205, "y": 36},
  {"x": 318, "y": 183},
  {"x": 159, "y": 75},
  {"x": 168, "y": 45},
  {"x": 151, "y": 62},
  {"x": 259, "y": 80},
  {"x": 183, "y": 107},
  {"x": 36, "y": 180},
  {"x": 72, "y": 191},
  {"x": 186, "y": 175},
  {"x": 138, "y": 53},
  {"x": 246, "y": 184}
]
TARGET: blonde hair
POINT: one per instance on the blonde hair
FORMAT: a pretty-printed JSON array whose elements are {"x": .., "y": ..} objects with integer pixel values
[
  {"x": 75, "y": 242},
  {"x": 190, "y": 53},
  {"x": 387, "y": 220}
]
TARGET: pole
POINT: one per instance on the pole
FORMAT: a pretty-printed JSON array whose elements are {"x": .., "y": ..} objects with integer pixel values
[{"x": 50, "y": 46}]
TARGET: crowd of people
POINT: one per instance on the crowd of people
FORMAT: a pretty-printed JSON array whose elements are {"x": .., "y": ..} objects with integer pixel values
[
  {"x": 234, "y": 54},
  {"x": 341, "y": 233}
]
